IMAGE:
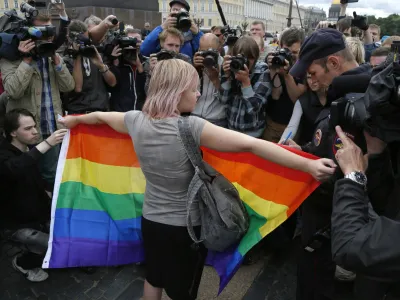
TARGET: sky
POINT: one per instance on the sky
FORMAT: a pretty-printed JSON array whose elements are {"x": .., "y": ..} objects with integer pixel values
[{"x": 378, "y": 8}]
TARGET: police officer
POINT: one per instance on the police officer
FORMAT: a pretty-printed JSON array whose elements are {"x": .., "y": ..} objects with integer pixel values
[{"x": 327, "y": 58}]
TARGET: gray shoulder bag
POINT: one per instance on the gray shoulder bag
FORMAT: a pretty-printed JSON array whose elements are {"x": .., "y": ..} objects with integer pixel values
[{"x": 224, "y": 219}]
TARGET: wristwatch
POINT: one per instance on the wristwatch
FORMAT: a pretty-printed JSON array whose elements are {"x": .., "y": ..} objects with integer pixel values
[{"x": 357, "y": 177}]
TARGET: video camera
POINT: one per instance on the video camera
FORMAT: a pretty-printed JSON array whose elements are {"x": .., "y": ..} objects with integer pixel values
[
  {"x": 231, "y": 35},
  {"x": 14, "y": 29},
  {"x": 85, "y": 47},
  {"x": 165, "y": 54},
  {"x": 281, "y": 56},
  {"x": 238, "y": 62},
  {"x": 183, "y": 22},
  {"x": 210, "y": 58},
  {"x": 126, "y": 43}
]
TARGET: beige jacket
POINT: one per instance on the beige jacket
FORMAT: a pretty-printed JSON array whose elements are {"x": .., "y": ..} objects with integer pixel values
[{"x": 23, "y": 83}]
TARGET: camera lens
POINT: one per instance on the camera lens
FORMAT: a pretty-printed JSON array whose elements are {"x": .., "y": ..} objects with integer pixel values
[
  {"x": 236, "y": 65},
  {"x": 209, "y": 61},
  {"x": 184, "y": 24}
]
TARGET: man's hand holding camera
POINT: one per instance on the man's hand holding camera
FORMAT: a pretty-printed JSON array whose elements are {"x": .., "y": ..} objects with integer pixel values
[
  {"x": 25, "y": 48},
  {"x": 226, "y": 66},
  {"x": 244, "y": 77},
  {"x": 169, "y": 22},
  {"x": 108, "y": 22},
  {"x": 211, "y": 72}
]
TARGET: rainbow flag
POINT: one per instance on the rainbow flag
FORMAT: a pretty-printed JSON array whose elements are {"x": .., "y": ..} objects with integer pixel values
[{"x": 99, "y": 193}]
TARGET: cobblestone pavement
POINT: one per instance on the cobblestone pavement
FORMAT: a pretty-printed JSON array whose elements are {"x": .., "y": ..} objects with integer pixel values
[{"x": 271, "y": 278}]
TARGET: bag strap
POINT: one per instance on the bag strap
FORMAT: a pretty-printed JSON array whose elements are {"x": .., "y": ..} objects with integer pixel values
[
  {"x": 189, "y": 143},
  {"x": 193, "y": 152}
]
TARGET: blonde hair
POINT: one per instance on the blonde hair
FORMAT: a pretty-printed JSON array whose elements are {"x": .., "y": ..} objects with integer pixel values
[
  {"x": 171, "y": 31},
  {"x": 357, "y": 48},
  {"x": 168, "y": 81}
]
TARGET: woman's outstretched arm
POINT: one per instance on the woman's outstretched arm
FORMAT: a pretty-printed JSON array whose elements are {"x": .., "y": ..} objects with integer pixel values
[
  {"x": 225, "y": 140},
  {"x": 114, "y": 119}
]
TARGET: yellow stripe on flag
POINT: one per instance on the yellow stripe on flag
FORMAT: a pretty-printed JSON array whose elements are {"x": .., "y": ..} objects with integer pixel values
[{"x": 108, "y": 179}]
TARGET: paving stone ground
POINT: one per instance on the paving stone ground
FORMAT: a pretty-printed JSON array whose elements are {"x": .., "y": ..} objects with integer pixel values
[{"x": 272, "y": 278}]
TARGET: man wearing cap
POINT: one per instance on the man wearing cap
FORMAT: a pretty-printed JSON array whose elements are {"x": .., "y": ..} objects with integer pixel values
[
  {"x": 192, "y": 37},
  {"x": 327, "y": 58}
]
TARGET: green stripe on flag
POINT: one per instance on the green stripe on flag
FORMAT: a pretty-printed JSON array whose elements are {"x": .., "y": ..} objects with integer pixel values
[
  {"x": 253, "y": 235},
  {"x": 76, "y": 195}
]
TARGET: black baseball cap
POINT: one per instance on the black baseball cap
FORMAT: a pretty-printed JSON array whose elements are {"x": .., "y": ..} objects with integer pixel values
[
  {"x": 319, "y": 44},
  {"x": 182, "y": 2}
]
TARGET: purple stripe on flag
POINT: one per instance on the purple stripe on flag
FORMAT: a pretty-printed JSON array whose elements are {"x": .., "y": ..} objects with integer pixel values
[
  {"x": 69, "y": 253},
  {"x": 226, "y": 264}
]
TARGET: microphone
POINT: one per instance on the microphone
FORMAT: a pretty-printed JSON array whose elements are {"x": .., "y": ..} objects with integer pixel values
[
  {"x": 33, "y": 31},
  {"x": 114, "y": 21}
]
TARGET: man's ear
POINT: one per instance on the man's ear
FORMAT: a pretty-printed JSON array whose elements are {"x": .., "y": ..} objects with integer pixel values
[{"x": 333, "y": 63}]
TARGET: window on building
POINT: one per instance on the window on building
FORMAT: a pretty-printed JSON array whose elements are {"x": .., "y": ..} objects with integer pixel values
[
  {"x": 209, "y": 22},
  {"x": 15, "y": 3},
  {"x": 202, "y": 6},
  {"x": 195, "y": 7},
  {"x": 164, "y": 5},
  {"x": 5, "y": 3},
  {"x": 210, "y": 6}
]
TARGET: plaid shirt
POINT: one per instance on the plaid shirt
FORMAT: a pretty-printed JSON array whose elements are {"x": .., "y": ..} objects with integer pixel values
[
  {"x": 246, "y": 110},
  {"x": 47, "y": 119}
]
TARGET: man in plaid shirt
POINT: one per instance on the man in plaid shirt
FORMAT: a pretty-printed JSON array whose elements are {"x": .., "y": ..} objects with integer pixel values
[{"x": 246, "y": 91}]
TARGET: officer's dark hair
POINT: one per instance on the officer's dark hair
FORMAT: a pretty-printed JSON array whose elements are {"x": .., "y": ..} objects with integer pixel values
[
  {"x": 291, "y": 36},
  {"x": 11, "y": 121}
]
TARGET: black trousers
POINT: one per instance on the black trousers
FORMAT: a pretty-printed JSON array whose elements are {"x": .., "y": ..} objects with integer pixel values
[{"x": 316, "y": 270}]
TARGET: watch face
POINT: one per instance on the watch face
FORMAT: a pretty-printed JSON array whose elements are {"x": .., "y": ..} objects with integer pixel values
[{"x": 360, "y": 177}]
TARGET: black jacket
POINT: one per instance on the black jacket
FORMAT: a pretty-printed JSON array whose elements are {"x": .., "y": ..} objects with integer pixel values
[
  {"x": 369, "y": 246},
  {"x": 129, "y": 92},
  {"x": 22, "y": 189}
]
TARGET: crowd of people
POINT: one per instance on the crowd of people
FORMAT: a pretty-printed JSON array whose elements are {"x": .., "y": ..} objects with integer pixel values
[{"x": 245, "y": 96}]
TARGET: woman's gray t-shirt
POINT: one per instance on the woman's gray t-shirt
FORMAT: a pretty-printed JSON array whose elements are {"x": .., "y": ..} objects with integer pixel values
[{"x": 165, "y": 165}]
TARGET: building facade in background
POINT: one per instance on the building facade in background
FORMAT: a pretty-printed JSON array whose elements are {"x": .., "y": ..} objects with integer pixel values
[
  {"x": 313, "y": 16},
  {"x": 259, "y": 10},
  {"x": 334, "y": 11}
]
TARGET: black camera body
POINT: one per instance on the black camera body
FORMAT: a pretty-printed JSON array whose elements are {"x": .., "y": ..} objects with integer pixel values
[
  {"x": 238, "y": 62},
  {"x": 210, "y": 58},
  {"x": 165, "y": 54},
  {"x": 126, "y": 43},
  {"x": 280, "y": 56},
  {"x": 183, "y": 22},
  {"x": 231, "y": 35}
]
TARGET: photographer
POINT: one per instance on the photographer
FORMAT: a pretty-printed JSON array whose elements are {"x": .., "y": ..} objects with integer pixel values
[
  {"x": 171, "y": 41},
  {"x": 34, "y": 82},
  {"x": 360, "y": 243},
  {"x": 208, "y": 63},
  {"x": 285, "y": 89},
  {"x": 245, "y": 88},
  {"x": 91, "y": 75},
  {"x": 329, "y": 61},
  {"x": 152, "y": 44},
  {"x": 129, "y": 92}
]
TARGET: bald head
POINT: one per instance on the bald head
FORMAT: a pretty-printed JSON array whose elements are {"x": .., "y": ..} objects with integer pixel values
[{"x": 209, "y": 41}]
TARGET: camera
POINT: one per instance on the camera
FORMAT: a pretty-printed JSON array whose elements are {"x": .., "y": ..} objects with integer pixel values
[
  {"x": 231, "y": 35},
  {"x": 210, "y": 58},
  {"x": 28, "y": 10},
  {"x": 238, "y": 62},
  {"x": 280, "y": 57},
  {"x": 126, "y": 43},
  {"x": 165, "y": 54},
  {"x": 183, "y": 22}
]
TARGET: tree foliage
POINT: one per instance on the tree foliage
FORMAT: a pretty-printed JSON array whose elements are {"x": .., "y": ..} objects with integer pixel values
[{"x": 389, "y": 25}]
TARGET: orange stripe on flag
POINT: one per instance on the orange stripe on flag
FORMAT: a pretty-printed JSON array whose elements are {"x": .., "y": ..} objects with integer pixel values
[
  {"x": 103, "y": 150},
  {"x": 266, "y": 185}
]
